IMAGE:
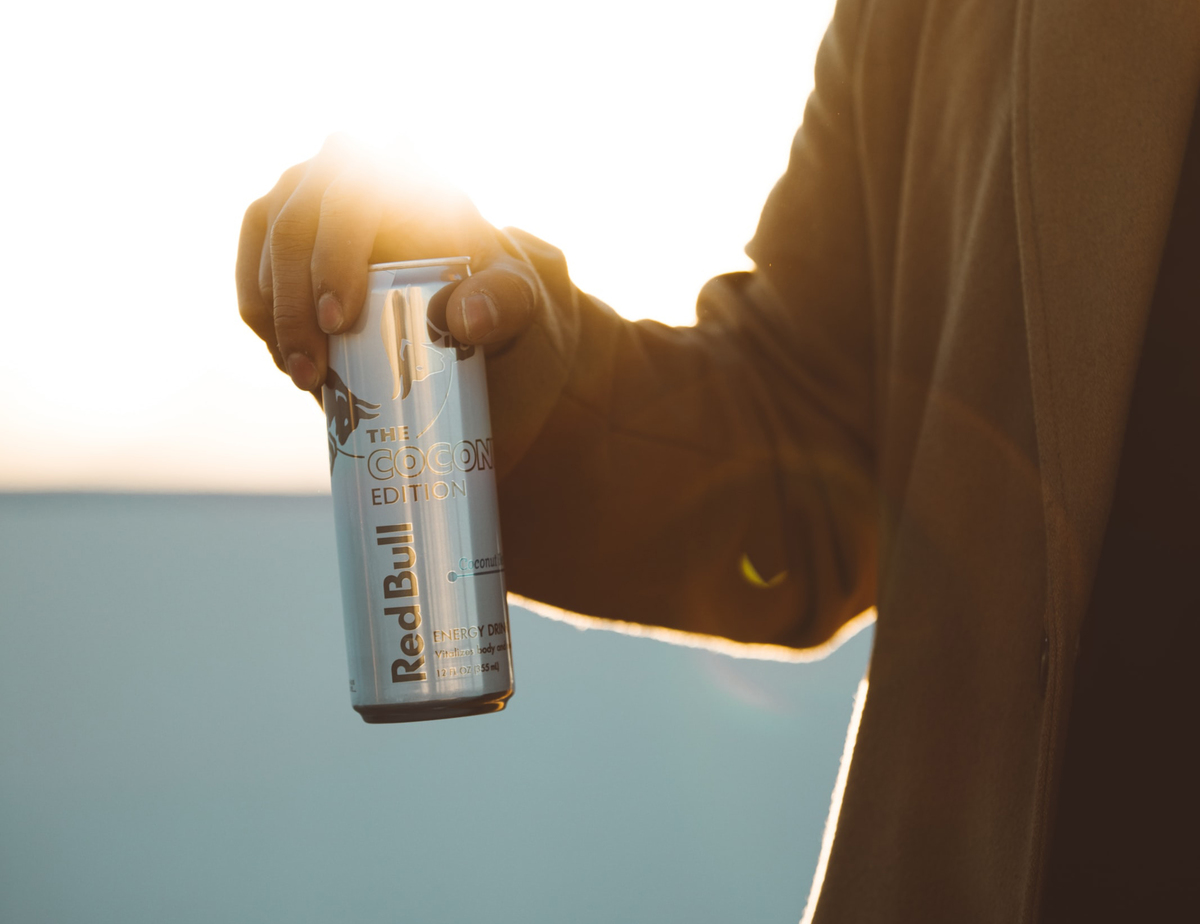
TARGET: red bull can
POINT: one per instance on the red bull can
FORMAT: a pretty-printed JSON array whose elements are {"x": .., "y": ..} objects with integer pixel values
[{"x": 414, "y": 500}]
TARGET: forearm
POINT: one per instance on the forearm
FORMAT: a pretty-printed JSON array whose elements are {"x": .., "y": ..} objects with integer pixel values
[{"x": 644, "y": 467}]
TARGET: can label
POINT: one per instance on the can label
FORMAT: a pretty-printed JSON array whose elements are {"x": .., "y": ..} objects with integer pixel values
[{"x": 410, "y": 456}]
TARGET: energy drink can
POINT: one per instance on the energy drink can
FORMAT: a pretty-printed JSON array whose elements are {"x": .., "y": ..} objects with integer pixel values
[{"x": 414, "y": 499}]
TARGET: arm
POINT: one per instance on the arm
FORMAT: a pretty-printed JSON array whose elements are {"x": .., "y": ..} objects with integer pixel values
[
  {"x": 641, "y": 463},
  {"x": 646, "y": 473}
]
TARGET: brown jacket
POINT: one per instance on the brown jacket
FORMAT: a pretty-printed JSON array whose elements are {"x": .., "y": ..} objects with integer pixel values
[{"x": 916, "y": 402}]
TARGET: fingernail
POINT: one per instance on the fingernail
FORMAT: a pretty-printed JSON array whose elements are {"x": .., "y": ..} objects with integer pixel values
[
  {"x": 302, "y": 371},
  {"x": 329, "y": 313},
  {"x": 479, "y": 315}
]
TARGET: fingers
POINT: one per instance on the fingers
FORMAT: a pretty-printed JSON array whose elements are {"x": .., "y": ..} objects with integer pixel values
[
  {"x": 291, "y": 239},
  {"x": 349, "y": 219},
  {"x": 265, "y": 289},
  {"x": 253, "y": 272},
  {"x": 495, "y": 304},
  {"x": 254, "y": 309},
  {"x": 315, "y": 260}
]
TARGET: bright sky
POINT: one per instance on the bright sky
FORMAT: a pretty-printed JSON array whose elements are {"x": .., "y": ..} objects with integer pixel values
[{"x": 632, "y": 135}]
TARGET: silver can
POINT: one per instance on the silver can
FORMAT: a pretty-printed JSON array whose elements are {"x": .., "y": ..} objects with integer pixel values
[{"x": 414, "y": 499}]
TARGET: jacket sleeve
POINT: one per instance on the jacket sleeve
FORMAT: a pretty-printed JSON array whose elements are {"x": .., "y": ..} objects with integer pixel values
[{"x": 716, "y": 479}]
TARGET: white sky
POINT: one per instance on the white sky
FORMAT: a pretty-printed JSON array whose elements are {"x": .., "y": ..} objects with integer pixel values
[{"x": 636, "y": 136}]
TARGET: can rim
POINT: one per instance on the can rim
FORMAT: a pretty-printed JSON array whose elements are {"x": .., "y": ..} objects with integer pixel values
[{"x": 412, "y": 264}]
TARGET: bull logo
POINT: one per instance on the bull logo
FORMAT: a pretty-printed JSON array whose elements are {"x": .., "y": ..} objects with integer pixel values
[{"x": 343, "y": 411}]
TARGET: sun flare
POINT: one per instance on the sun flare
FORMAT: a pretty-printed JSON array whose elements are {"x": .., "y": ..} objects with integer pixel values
[{"x": 640, "y": 142}]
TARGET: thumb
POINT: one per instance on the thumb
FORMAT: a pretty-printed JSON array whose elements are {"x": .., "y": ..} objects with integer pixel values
[{"x": 495, "y": 304}]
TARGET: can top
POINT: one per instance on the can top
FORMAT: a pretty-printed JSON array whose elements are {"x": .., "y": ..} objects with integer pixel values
[{"x": 412, "y": 264}]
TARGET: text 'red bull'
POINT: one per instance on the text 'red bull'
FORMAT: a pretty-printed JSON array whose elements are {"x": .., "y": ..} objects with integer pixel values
[{"x": 403, "y": 585}]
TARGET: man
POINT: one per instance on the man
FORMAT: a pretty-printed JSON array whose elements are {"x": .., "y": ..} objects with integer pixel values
[{"x": 918, "y": 400}]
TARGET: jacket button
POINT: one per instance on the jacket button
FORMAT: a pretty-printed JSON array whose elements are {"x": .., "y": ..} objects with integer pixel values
[{"x": 1044, "y": 670}]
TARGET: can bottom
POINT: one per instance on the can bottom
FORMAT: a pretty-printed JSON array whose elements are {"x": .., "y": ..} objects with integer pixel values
[{"x": 422, "y": 712}]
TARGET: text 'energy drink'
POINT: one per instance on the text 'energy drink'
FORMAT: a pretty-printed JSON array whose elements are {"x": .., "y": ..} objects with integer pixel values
[{"x": 414, "y": 498}]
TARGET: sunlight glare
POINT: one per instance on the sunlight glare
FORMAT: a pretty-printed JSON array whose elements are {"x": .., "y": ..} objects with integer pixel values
[{"x": 629, "y": 136}]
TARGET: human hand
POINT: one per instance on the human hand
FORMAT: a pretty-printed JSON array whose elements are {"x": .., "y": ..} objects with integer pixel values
[{"x": 305, "y": 247}]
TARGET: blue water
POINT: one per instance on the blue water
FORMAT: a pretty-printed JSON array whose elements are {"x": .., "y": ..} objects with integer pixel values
[{"x": 177, "y": 745}]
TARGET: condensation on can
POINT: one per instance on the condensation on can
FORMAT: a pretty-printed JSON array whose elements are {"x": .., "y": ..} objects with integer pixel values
[{"x": 414, "y": 496}]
